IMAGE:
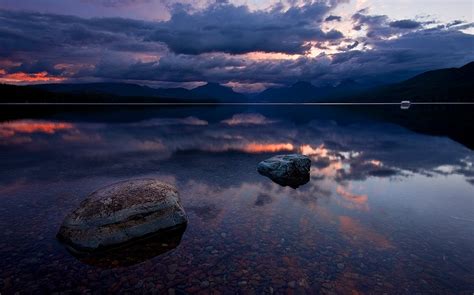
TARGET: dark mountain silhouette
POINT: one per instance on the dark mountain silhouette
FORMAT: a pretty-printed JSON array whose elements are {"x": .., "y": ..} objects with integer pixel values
[
  {"x": 449, "y": 85},
  {"x": 346, "y": 87},
  {"x": 19, "y": 94},
  {"x": 307, "y": 92},
  {"x": 210, "y": 91},
  {"x": 34, "y": 94},
  {"x": 445, "y": 85},
  {"x": 297, "y": 92},
  {"x": 218, "y": 92},
  {"x": 116, "y": 89},
  {"x": 174, "y": 92}
]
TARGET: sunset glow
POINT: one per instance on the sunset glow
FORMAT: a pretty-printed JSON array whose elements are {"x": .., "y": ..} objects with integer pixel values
[
  {"x": 28, "y": 78},
  {"x": 267, "y": 148},
  {"x": 318, "y": 152},
  {"x": 245, "y": 45}
]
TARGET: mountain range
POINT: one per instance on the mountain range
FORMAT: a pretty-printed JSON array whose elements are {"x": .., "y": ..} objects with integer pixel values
[
  {"x": 445, "y": 85},
  {"x": 209, "y": 91},
  {"x": 452, "y": 84},
  {"x": 307, "y": 92}
]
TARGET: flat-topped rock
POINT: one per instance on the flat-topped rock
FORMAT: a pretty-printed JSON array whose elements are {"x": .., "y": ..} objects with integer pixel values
[
  {"x": 286, "y": 170},
  {"x": 122, "y": 212}
]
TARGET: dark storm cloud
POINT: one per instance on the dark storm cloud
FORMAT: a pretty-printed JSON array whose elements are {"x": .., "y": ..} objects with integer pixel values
[
  {"x": 220, "y": 27},
  {"x": 411, "y": 54},
  {"x": 236, "y": 29},
  {"x": 36, "y": 32},
  {"x": 405, "y": 24},
  {"x": 381, "y": 25},
  {"x": 35, "y": 42},
  {"x": 389, "y": 60},
  {"x": 201, "y": 46}
]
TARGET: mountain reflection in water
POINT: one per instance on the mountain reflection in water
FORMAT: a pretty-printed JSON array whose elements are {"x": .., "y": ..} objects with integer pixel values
[{"x": 386, "y": 209}]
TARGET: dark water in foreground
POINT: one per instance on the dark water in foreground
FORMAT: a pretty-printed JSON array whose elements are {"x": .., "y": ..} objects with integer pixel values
[{"x": 387, "y": 210}]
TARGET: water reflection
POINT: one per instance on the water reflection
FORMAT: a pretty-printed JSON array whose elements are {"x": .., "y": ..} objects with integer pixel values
[
  {"x": 263, "y": 199},
  {"x": 206, "y": 212},
  {"x": 340, "y": 152},
  {"x": 248, "y": 119},
  {"x": 9, "y": 129},
  {"x": 134, "y": 252},
  {"x": 352, "y": 201},
  {"x": 384, "y": 207},
  {"x": 358, "y": 234},
  {"x": 20, "y": 132}
]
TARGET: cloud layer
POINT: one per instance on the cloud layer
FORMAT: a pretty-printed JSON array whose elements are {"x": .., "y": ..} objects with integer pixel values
[{"x": 229, "y": 43}]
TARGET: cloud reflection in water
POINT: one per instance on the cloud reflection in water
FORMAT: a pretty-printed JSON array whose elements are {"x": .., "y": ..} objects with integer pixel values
[
  {"x": 374, "y": 188},
  {"x": 340, "y": 153}
]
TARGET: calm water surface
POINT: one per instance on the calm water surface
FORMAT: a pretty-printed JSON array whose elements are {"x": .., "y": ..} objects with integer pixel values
[{"x": 386, "y": 209}]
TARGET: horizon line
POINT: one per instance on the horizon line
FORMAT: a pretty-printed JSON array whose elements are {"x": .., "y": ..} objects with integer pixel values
[{"x": 229, "y": 103}]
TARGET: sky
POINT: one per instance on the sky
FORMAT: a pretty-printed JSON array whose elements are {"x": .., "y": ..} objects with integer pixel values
[{"x": 248, "y": 45}]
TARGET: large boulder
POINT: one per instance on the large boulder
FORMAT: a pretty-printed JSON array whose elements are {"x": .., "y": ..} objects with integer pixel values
[
  {"x": 122, "y": 213},
  {"x": 286, "y": 170}
]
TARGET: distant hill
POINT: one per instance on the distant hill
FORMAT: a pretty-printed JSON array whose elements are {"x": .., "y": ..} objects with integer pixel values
[
  {"x": 218, "y": 92},
  {"x": 210, "y": 91},
  {"x": 116, "y": 89},
  {"x": 30, "y": 94},
  {"x": 298, "y": 91},
  {"x": 453, "y": 85},
  {"x": 307, "y": 92}
]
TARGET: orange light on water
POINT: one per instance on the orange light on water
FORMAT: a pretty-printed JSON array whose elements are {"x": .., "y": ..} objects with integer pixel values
[
  {"x": 267, "y": 148},
  {"x": 8, "y": 129},
  {"x": 320, "y": 151},
  {"x": 359, "y": 233},
  {"x": 354, "y": 198}
]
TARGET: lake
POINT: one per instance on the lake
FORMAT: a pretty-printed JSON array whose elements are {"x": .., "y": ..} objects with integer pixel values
[{"x": 389, "y": 207}]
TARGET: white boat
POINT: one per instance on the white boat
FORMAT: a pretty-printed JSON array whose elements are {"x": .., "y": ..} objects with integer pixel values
[{"x": 405, "y": 104}]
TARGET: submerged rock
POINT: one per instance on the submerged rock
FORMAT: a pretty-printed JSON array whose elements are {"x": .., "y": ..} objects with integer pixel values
[
  {"x": 286, "y": 170},
  {"x": 122, "y": 213}
]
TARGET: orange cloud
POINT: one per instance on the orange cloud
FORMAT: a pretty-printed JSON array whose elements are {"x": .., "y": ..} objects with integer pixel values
[
  {"x": 259, "y": 55},
  {"x": 21, "y": 77}
]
